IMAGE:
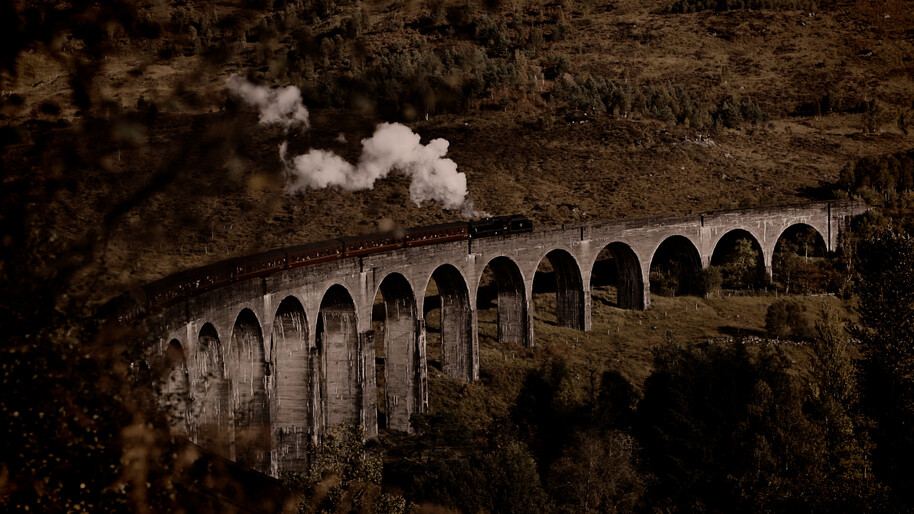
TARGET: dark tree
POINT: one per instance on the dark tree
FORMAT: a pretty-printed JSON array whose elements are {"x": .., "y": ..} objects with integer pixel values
[{"x": 885, "y": 263}]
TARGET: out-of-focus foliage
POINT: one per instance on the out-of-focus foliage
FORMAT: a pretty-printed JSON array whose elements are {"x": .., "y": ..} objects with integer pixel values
[
  {"x": 83, "y": 429},
  {"x": 452, "y": 465},
  {"x": 344, "y": 476}
]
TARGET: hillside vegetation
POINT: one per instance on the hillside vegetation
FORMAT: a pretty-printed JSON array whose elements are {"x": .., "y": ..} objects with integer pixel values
[
  {"x": 126, "y": 159},
  {"x": 567, "y": 111}
]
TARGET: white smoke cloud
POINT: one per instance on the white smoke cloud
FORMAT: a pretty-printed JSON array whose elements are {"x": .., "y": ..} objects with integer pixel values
[
  {"x": 318, "y": 169},
  {"x": 392, "y": 147},
  {"x": 281, "y": 106}
]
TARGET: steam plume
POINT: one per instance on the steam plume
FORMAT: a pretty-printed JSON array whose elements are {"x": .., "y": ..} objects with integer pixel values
[
  {"x": 392, "y": 146},
  {"x": 280, "y": 106}
]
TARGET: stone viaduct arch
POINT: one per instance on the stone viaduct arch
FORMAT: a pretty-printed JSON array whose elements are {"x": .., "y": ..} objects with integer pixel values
[
  {"x": 272, "y": 361},
  {"x": 295, "y": 375},
  {"x": 727, "y": 244},
  {"x": 569, "y": 288},
  {"x": 176, "y": 386},
  {"x": 678, "y": 256},
  {"x": 633, "y": 286},
  {"x": 819, "y": 244},
  {"x": 400, "y": 350},
  {"x": 338, "y": 340},
  {"x": 245, "y": 371},
  {"x": 512, "y": 300}
]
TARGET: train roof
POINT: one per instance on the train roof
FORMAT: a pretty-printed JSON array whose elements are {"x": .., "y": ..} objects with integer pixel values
[
  {"x": 439, "y": 226},
  {"x": 262, "y": 256},
  {"x": 394, "y": 234},
  {"x": 317, "y": 245}
]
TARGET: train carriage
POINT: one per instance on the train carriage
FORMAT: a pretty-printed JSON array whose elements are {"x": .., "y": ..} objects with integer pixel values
[
  {"x": 259, "y": 265},
  {"x": 166, "y": 292},
  {"x": 355, "y": 246},
  {"x": 440, "y": 233},
  {"x": 313, "y": 253},
  {"x": 208, "y": 277}
]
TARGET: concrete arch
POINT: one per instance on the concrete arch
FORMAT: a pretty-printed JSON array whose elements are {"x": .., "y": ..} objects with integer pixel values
[
  {"x": 678, "y": 257},
  {"x": 246, "y": 369},
  {"x": 337, "y": 338},
  {"x": 721, "y": 250},
  {"x": 630, "y": 287},
  {"x": 399, "y": 352},
  {"x": 512, "y": 318},
  {"x": 569, "y": 289},
  {"x": 820, "y": 242},
  {"x": 295, "y": 377},
  {"x": 790, "y": 266},
  {"x": 176, "y": 387},
  {"x": 458, "y": 353},
  {"x": 212, "y": 393}
]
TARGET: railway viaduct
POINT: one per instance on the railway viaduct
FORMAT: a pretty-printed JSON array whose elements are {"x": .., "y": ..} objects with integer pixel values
[{"x": 261, "y": 367}]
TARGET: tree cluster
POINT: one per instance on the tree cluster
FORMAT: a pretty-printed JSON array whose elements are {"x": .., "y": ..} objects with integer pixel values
[
  {"x": 689, "y": 6},
  {"x": 668, "y": 103},
  {"x": 889, "y": 174}
]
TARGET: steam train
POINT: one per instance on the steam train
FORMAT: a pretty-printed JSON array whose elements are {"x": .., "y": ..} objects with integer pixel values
[{"x": 175, "y": 288}]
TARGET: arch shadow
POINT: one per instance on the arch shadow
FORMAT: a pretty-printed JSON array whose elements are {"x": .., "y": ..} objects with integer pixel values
[
  {"x": 676, "y": 268},
  {"x": 565, "y": 279},
  {"x": 625, "y": 270},
  {"x": 511, "y": 300}
]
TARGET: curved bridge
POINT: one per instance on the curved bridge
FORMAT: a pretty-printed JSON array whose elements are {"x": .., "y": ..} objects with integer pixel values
[{"x": 260, "y": 367}]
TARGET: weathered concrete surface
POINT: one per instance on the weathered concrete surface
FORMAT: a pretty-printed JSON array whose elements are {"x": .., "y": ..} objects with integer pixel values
[{"x": 273, "y": 361}]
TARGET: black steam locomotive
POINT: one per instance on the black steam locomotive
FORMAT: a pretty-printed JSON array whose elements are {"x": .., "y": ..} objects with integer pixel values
[{"x": 175, "y": 288}]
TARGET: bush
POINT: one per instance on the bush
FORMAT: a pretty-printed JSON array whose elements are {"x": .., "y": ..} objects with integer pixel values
[
  {"x": 787, "y": 319},
  {"x": 733, "y": 112},
  {"x": 556, "y": 66},
  {"x": 344, "y": 476},
  {"x": 493, "y": 35}
]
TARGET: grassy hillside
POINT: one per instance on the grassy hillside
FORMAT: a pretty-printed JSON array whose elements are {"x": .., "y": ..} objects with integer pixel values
[{"x": 568, "y": 111}]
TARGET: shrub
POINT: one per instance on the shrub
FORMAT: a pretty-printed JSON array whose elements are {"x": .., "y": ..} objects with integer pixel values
[
  {"x": 556, "y": 66},
  {"x": 351, "y": 27},
  {"x": 732, "y": 112},
  {"x": 492, "y": 34},
  {"x": 787, "y": 319}
]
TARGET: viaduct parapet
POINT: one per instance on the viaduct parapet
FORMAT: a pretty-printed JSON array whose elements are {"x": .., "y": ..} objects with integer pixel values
[{"x": 261, "y": 367}]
